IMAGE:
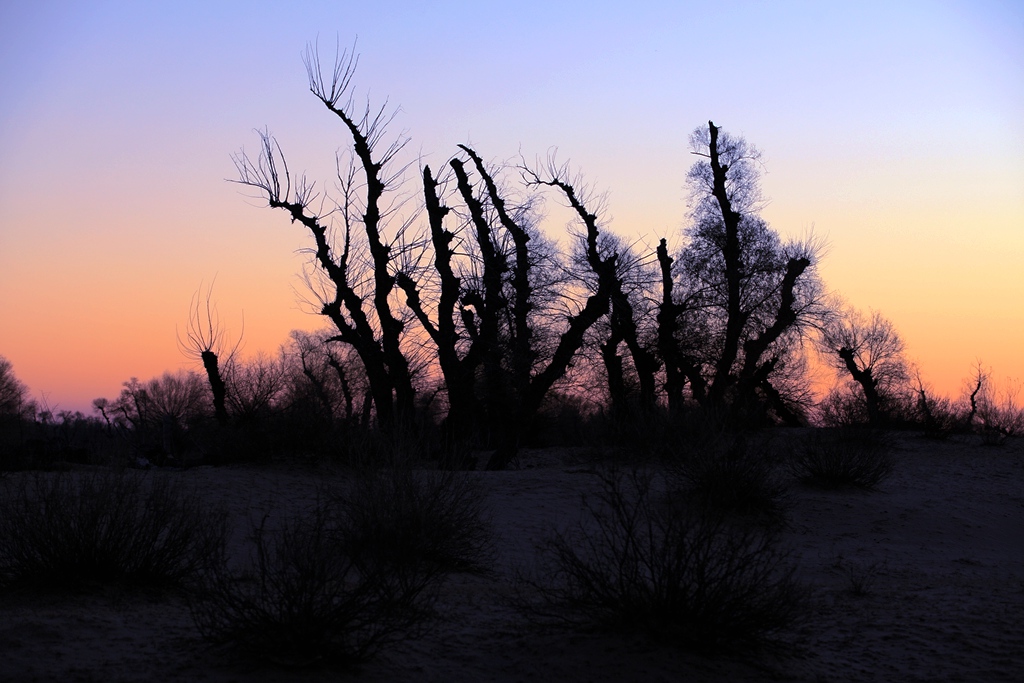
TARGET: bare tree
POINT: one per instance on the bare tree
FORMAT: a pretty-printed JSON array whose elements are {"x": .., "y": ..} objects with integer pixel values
[
  {"x": 457, "y": 368},
  {"x": 153, "y": 413},
  {"x": 996, "y": 415},
  {"x": 977, "y": 383},
  {"x": 611, "y": 263},
  {"x": 870, "y": 351},
  {"x": 681, "y": 366},
  {"x": 14, "y": 400},
  {"x": 256, "y": 386},
  {"x": 205, "y": 342},
  {"x": 359, "y": 303},
  {"x": 485, "y": 329},
  {"x": 748, "y": 295},
  {"x": 331, "y": 375}
]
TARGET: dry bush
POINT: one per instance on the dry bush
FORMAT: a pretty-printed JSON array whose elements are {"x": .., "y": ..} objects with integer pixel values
[
  {"x": 861, "y": 578},
  {"x": 1001, "y": 417},
  {"x": 352, "y": 576},
  {"x": 939, "y": 417},
  {"x": 730, "y": 475},
  {"x": 66, "y": 529},
  {"x": 678, "y": 572},
  {"x": 401, "y": 516},
  {"x": 845, "y": 458},
  {"x": 305, "y": 599}
]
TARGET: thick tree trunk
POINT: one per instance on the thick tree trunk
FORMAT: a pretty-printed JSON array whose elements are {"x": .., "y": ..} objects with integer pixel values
[
  {"x": 668, "y": 326},
  {"x": 735, "y": 320},
  {"x": 867, "y": 383},
  {"x": 217, "y": 386}
]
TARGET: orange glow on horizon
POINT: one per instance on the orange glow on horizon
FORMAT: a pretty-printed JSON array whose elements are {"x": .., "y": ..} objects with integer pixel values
[{"x": 899, "y": 139}]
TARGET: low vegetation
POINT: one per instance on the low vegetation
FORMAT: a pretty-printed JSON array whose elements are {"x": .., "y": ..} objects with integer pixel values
[
  {"x": 355, "y": 573},
  {"x": 733, "y": 476},
  {"x": 843, "y": 458},
  {"x": 303, "y": 598},
  {"x": 403, "y": 517},
  {"x": 67, "y": 529},
  {"x": 678, "y": 572}
]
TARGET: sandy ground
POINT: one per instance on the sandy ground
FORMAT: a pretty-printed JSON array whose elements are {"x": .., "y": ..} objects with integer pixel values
[{"x": 939, "y": 549}]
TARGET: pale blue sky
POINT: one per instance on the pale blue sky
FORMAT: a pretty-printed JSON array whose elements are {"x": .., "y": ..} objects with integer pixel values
[{"x": 896, "y": 129}]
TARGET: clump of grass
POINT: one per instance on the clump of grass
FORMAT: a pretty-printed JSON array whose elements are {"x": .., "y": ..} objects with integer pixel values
[
  {"x": 61, "y": 530},
  {"x": 679, "y": 573},
  {"x": 835, "y": 459}
]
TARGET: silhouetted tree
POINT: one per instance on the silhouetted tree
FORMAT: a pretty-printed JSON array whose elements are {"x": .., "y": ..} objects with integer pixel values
[
  {"x": 977, "y": 383},
  {"x": 154, "y": 413},
  {"x": 611, "y": 264},
  {"x": 681, "y": 364},
  {"x": 870, "y": 351},
  {"x": 500, "y": 327},
  {"x": 204, "y": 342},
  {"x": 331, "y": 375},
  {"x": 996, "y": 416},
  {"x": 748, "y": 295},
  {"x": 458, "y": 366},
  {"x": 16, "y": 413},
  {"x": 14, "y": 401},
  {"x": 359, "y": 303},
  {"x": 485, "y": 332},
  {"x": 256, "y": 386}
]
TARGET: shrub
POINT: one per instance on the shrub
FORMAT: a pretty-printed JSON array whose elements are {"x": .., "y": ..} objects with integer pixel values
[
  {"x": 354, "y": 574},
  {"x": 400, "y": 516},
  {"x": 677, "y": 572},
  {"x": 65, "y": 529},
  {"x": 1000, "y": 420},
  {"x": 832, "y": 459},
  {"x": 305, "y": 599},
  {"x": 729, "y": 475}
]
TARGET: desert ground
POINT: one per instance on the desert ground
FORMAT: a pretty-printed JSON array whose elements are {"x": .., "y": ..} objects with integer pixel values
[{"x": 919, "y": 580}]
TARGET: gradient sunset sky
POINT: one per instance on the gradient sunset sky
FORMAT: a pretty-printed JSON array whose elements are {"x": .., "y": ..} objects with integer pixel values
[{"x": 893, "y": 129}]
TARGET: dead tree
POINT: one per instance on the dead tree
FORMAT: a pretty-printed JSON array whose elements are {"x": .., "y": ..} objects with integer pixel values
[
  {"x": 204, "y": 342},
  {"x": 362, "y": 315},
  {"x": 458, "y": 370},
  {"x": 517, "y": 389},
  {"x": 680, "y": 367}
]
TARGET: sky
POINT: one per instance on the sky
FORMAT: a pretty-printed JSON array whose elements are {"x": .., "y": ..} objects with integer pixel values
[{"x": 894, "y": 130}]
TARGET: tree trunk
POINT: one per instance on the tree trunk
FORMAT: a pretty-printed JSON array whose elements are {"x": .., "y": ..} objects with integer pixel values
[{"x": 217, "y": 386}]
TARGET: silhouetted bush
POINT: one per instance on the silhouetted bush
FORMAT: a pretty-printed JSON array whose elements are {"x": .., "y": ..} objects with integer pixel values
[
  {"x": 305, "y": 598},
  {"x": 939, "y": 417},
  {"x": 679, "y": 572},
  {"x": 67, "y": 529},
  {"x": 731, "y": 475},
  {"x": 999, "y": 418},
  {"x": 831, "y": 459},
  {"x": 357, "y": 572},
  {"x": 399, "y": 517}
]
